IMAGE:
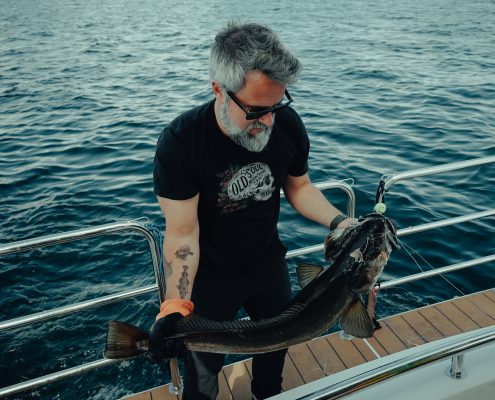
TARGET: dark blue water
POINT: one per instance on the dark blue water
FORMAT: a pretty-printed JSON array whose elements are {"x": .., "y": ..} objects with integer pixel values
[{"x": 87, "y": 86}]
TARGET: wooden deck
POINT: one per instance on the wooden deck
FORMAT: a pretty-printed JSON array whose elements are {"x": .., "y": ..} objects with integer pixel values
[{"x": 326, "y": 355}]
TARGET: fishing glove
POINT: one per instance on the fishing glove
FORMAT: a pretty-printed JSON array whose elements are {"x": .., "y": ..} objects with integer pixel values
[
  {"x": 171, "y": 311},
  {"x": 342, "y": 221}
]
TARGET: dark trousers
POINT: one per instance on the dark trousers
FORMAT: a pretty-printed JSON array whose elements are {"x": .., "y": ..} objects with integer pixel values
[{"x": 263, "y": 293}]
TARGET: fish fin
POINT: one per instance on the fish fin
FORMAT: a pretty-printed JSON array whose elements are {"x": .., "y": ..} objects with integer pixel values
[
  {"x": 307, "y": 272},
  {"x": 125, "y": 341},
  {"x": 356, "y": 320}
]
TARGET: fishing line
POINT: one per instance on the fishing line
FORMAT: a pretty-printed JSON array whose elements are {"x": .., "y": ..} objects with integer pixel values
[
  {"x": 143, "y": 220},
  {"x": 406, "y": 247},
  {"x": 348, "y": 181}
]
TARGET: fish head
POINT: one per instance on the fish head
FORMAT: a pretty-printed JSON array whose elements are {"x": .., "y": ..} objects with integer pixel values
[{"x": 367, "y": 254}]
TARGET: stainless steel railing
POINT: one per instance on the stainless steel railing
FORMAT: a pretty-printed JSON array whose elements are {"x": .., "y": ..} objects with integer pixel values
[
  {"x": 80, "y": 234},
  {"x": 101, "y": 230},
  {"x": 135, "y": 226},
  {"x": 454, "y": 348},
  {"x": 345, "y": 187},
  {"x": 410, "y": 362},
  {"x": 76, "y": 235},
  {"x": 407, "y": 231},
  {"x": 389, "y": 181},
  {"x": 437, "y": 271}
]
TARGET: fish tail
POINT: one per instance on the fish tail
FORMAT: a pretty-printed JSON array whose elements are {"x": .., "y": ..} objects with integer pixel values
[{"x": 125, "y": 341}]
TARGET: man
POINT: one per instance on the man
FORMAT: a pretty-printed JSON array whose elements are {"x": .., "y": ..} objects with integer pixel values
[{"x": 218, "y": 173}]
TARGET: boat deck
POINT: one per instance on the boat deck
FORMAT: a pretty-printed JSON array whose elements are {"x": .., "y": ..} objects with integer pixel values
[{"x": 329, "y": 354}]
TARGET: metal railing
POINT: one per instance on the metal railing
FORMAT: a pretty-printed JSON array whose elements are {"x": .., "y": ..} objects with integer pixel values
[
  {"x": 342, "y": 185},
  {"x": 454, "y": 348},
  {"x": 416, "y": 173},
  {"x": 81, "y": 234},
  {"x": 406, "y": 231},
  {"x": 418, "y": 359},
  {"x": 76, "y": 235},
  {"x": 135, "y": 226}
]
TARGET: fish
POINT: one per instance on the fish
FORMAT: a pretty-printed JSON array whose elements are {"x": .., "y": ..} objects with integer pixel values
[{"x": 357, "y": 256}]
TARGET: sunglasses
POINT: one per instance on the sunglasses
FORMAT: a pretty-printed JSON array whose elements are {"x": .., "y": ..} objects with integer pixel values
[{"x": 258, "y": 112}]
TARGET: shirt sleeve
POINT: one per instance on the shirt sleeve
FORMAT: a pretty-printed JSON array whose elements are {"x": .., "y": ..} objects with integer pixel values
[
  {"x": 299, "y": 165},
  {"x": 173, "y": 170}
]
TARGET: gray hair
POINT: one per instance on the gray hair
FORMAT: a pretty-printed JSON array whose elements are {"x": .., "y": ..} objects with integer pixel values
[{"x": 241, "y": 48}]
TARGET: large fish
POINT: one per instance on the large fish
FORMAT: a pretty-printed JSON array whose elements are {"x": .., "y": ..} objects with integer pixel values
[{"x": 357, "y": 255}]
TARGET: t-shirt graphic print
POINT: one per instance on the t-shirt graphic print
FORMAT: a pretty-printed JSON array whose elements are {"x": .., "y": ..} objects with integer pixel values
[{"x": 241, "y": 184}]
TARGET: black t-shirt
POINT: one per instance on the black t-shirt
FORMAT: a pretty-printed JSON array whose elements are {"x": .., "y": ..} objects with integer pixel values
[{"x": 239, "y": 190}]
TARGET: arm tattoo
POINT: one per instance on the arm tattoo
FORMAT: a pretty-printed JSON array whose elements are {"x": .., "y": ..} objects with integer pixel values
[
  {"x": 183, "y": 252},
  {"x": 168, "y": 268},
  {"x": 183, "y": 282}
]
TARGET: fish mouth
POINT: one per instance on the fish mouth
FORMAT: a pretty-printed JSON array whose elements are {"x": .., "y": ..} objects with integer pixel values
[
  {"x": 385, "y": 235},
  {"x": 372, "y": 227},
  {"x": 389, "y": 230},
  {"x": 375, "y": 240}
]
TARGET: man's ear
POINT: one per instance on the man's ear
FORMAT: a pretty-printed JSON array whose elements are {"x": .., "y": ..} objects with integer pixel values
[{"x": 217, "y": 90}]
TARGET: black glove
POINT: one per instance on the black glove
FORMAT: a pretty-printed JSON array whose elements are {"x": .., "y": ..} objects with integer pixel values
[{"x": 160, "y": 346}]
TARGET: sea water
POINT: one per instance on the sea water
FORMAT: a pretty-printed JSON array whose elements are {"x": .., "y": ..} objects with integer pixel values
[{"x": 87, "y": 86}]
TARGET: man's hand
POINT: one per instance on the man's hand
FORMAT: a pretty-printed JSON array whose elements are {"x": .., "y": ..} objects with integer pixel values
[
  {"x": 161, "y": 347},
  {"x": 342, "y": 221},
  {"x": 347, "y": 222}
]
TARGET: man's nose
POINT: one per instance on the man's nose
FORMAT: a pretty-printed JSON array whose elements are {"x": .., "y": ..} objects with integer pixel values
[{"x": 267, "y": 119}]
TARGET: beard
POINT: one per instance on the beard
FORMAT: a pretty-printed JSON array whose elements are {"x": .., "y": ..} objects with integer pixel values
[{"x": 242, "y": 137}]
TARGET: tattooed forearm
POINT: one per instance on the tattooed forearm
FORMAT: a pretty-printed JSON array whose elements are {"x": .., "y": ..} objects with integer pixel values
[
  {"x": 168, "y": 268},
  {"x": 183, "y": 285},
  {"x": 183, "y": 252}
]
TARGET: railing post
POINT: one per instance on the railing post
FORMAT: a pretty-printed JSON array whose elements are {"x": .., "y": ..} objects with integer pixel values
[{"x": 456, "y": 370}]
